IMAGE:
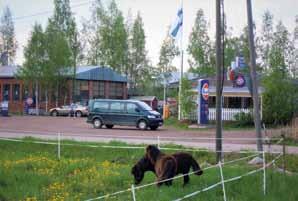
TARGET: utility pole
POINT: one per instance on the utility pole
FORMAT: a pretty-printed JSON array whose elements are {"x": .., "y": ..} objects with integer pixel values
[
  {"x": 218, "y": 82},
  {"x": 253, "y": 75}
]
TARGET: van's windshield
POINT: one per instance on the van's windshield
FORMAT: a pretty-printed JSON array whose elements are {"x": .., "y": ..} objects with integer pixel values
[{"x": 144, "y": 106}]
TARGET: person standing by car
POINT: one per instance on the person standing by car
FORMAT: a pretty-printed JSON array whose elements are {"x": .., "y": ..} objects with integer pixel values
[{"x": 72, "y": 110}]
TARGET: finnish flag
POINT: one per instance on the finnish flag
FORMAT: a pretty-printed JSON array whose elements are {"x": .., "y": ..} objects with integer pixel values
[{"x": 177, "y": 25}]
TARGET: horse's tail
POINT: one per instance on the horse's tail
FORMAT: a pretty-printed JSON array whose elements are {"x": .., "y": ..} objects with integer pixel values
[{"x": 195, "y": 167}]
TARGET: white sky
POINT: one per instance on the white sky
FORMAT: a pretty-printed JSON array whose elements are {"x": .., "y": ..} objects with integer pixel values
[{"x": 157, "y": 16}]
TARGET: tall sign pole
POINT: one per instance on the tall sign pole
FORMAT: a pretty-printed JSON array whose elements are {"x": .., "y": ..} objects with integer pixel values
[
  {"x": 181, "y": 67},
  {"x": 219, "y": 75},
  {"x": 253, "y": 74}
]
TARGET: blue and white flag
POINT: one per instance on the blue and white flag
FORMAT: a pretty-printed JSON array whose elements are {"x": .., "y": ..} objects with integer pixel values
[{"x": 176, "y": 28}]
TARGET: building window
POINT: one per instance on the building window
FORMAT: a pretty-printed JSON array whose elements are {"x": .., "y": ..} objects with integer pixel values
[
  {"x": 81, "y": 90},
  {"x": 211, "y": 102},
  {"x": 6, "y": 92},
  {"x": 16, "y": 92},
  {"x": 116, "y": 90},
  {"x": 25, "y": 92},
  {"x": 98, "y": 90},
  {"x": 234, "y": 102}
]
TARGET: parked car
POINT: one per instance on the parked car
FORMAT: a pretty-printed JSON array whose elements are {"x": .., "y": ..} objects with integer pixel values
[
  {"x": 123, "y": 112},
  {"x": 65, "y": 110}
]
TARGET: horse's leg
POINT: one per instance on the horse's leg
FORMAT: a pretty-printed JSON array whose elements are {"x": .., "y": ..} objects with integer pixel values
[{"x": 185, "y": 179}]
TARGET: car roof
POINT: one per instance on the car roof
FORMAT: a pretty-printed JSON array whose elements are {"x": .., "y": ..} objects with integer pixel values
[{"x": 118, "y": 100}]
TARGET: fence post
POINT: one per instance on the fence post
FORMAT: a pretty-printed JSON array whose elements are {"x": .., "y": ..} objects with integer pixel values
[
  {"x": 222, "y": 181},
  {"x": 264, "y": 173},
  {"x": 59, "y": 146},
  {"x": 283, "y": 153},
  {"x": 133, "y": 192}
]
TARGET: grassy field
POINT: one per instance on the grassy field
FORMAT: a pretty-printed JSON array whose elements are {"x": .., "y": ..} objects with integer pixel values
[{"x": 32, "y": 172}]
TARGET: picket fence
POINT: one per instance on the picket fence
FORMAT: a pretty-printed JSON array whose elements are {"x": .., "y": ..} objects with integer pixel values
[{"x": 228, "y": 114}]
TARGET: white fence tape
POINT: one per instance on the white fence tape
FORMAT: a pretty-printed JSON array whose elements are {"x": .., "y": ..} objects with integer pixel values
[
  {"x": 143, "y": 137},
  {"x": 228, "y": 180},
  {"x": 179, "y": 176},
  {"x": 132, "y": 147},
  {"x": 132, "y": 189}
]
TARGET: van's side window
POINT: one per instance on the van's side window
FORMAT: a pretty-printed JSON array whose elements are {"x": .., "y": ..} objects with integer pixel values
[
  {"x": 131, "y": 108},
  {"x": 117, "y": 107},
  {"x": 101, "y": 106}
]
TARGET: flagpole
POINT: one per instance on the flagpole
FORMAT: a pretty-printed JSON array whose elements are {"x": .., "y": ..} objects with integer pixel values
[{"x": 181, "y": 68}]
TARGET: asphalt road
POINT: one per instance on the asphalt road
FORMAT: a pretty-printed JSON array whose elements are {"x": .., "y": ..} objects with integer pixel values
[{"x": 78, "y": 129}]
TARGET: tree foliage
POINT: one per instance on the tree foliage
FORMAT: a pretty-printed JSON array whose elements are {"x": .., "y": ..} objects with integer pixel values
[
  {"x": 8, "y": 44},
  {"x": 279, "y": 98},
  {"x": 199, "y": 47},
  {"x": 187, "y": 103},
  {"x": 167, "y": 53},
  {"x": 34, "y": 68}
]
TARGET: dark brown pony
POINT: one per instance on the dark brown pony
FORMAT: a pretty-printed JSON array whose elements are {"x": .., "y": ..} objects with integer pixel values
[
  {"x": 139, "y": 169},
  {"x": 165, "y": 166}
]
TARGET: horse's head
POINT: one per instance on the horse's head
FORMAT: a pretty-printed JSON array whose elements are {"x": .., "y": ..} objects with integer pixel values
[
  {"x": 139, "y": 169},
  {"x": 152, "y": 152}
]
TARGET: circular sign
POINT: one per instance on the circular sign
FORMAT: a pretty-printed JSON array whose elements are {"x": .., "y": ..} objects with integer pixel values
[
  {"x": 240, "y": 81},
  {"x": 29, "y": 101},
  {"x": 205, "y": 91}
]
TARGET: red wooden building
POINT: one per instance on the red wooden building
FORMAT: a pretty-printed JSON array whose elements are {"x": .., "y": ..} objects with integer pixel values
[{"x": 91, "y": 82}]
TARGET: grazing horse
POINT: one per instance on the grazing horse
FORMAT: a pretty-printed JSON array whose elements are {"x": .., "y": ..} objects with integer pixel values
[
  {"x": 165, "y": 166},
  {"x": 139, "y": 169}
]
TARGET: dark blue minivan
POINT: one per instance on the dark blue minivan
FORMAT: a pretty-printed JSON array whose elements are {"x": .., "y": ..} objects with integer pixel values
[{"x": 122, "y": 112}]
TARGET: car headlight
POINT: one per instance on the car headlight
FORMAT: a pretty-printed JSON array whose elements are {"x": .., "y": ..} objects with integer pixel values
[{"x": 151, "y": 116}]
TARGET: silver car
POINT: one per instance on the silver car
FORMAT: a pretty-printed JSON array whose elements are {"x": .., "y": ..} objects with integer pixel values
[{"x": 65, "y": 110}]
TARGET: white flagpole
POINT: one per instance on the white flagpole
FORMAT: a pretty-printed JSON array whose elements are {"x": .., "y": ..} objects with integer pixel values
[{"x": 181, "y": 67}]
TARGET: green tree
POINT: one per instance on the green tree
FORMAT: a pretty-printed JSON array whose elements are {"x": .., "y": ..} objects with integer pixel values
[
  {"x": 199, "y": 47},
  {"x": 266, "y": 39},
  {"x": 111, "y": 38},
  {"x": 8, "y": 44},
  {"x": 65, "y": 22},
  {"x": 33, "y": 72},
  {"x": 280, "y": 50},
  {"x": 187, "y": 103},
  {"x": 59, "y": 56},
  {"x": 167, "y": 53},
  {"x": 279, "y": 98},
  {"x": 294, "y": 66},
  {"x": 138, "y": 54}
]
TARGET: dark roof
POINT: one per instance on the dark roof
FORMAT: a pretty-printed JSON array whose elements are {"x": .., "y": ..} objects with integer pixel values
[
  {"x": 83, "y": 73},
  {"x": 98, "y": 73}
]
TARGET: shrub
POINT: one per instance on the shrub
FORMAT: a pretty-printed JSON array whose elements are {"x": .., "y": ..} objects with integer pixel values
[{"x": 244, "y": 119}]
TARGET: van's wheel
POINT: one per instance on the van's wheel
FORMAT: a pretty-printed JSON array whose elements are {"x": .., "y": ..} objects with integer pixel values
[
  {"x": 97, "y": 123},
  {"x": 79, "y": 114},
  {"x": 153, "y": 127},
  {"x": 142, "y": 125},
  {"x": 109, "y": 126},
  {"x": 54, "y": 113}
]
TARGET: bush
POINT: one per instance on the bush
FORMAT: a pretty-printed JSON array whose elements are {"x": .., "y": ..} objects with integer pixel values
[{"x": 244, "y": 119}]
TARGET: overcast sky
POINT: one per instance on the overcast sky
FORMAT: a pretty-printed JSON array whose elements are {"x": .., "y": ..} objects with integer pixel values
[{"x": 157, "y": 16}]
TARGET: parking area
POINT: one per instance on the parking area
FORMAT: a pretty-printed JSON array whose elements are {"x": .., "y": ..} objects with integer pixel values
[{"x": 78, "y": 126}]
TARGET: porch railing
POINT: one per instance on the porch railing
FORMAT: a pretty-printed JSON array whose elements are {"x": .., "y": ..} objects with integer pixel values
[{"x": 228, "y": 114}]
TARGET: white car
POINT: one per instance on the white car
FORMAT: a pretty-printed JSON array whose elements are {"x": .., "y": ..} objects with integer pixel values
[{"x": 65, "y": 110}]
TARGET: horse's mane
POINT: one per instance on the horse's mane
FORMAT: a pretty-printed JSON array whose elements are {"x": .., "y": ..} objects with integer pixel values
[{"x": 152, "y": 153}]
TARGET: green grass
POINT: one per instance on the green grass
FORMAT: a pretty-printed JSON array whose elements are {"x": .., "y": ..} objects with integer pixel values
[
  {"x": 32, "y": 172},
  {"x": 175, "y": 123}
]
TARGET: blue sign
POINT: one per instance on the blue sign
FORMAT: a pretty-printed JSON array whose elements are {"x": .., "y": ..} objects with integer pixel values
[{"x": 203, "y": 95}]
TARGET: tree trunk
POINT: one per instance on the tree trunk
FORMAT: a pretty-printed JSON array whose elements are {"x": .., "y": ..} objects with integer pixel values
[{"x": 36, "y": 98}]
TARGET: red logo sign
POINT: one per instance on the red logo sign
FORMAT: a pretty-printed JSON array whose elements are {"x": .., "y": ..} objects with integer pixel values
[{"x": 205, "y": 91}]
